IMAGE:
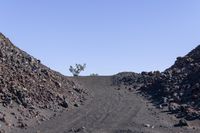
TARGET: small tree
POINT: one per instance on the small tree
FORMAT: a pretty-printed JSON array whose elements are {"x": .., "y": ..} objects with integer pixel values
[
  {"x": 94, "y": 74},
  {"x": 77, "y": 69}
]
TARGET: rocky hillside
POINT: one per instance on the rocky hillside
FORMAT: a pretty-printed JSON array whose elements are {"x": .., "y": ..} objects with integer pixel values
[
  {"x": 177, "y": 87},
  {"x": 27, "y": 87}
]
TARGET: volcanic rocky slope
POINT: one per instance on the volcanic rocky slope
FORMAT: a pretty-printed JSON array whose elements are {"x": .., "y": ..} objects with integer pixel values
[
  {"x": 31, "y": 93},
  {"x": 177, "y": 87},
  {"x": 27, "y": 87}
]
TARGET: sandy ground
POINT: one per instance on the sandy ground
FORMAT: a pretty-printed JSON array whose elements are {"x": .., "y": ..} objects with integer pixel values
[{"x": 109, "y": 110}]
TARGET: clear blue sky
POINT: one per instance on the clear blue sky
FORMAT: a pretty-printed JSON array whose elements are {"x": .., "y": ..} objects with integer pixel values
[{"x": 109, "y": 35}]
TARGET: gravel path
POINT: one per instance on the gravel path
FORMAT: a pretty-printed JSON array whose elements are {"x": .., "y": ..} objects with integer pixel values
[{"x": 109, "y": 110}]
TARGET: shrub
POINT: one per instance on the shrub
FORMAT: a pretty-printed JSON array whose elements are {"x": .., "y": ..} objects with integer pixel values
[
  {"x": 77, "y": 69},
  {"x": 94, "y": 74}
]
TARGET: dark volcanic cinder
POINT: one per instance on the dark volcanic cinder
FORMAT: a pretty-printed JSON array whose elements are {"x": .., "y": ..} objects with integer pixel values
[{"x": 27, "y": 87}]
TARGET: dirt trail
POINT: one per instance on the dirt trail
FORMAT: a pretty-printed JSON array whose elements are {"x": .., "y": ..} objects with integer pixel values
[{"x": 109, "y": 110}]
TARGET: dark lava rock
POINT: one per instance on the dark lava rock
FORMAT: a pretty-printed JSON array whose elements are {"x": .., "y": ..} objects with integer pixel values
[
  {"x": 30, "y": 85},
  {"x": 76, "y": 105},
  {"x": 64, "y": 104},
  {"x": 22, "y": 125},
  {"x": 182, "y": 123},
  {"x": 174, "y": 107},
  {"x": 179, "y": 84}
]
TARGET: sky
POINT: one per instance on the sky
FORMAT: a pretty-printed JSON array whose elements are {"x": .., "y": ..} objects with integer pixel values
[{"x": 110, "y": 36}]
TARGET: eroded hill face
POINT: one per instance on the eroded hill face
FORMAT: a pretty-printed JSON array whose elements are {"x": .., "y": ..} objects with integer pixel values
[
  {"x": 29, "y": 87},
  {"x": 178, "y": 87}
]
